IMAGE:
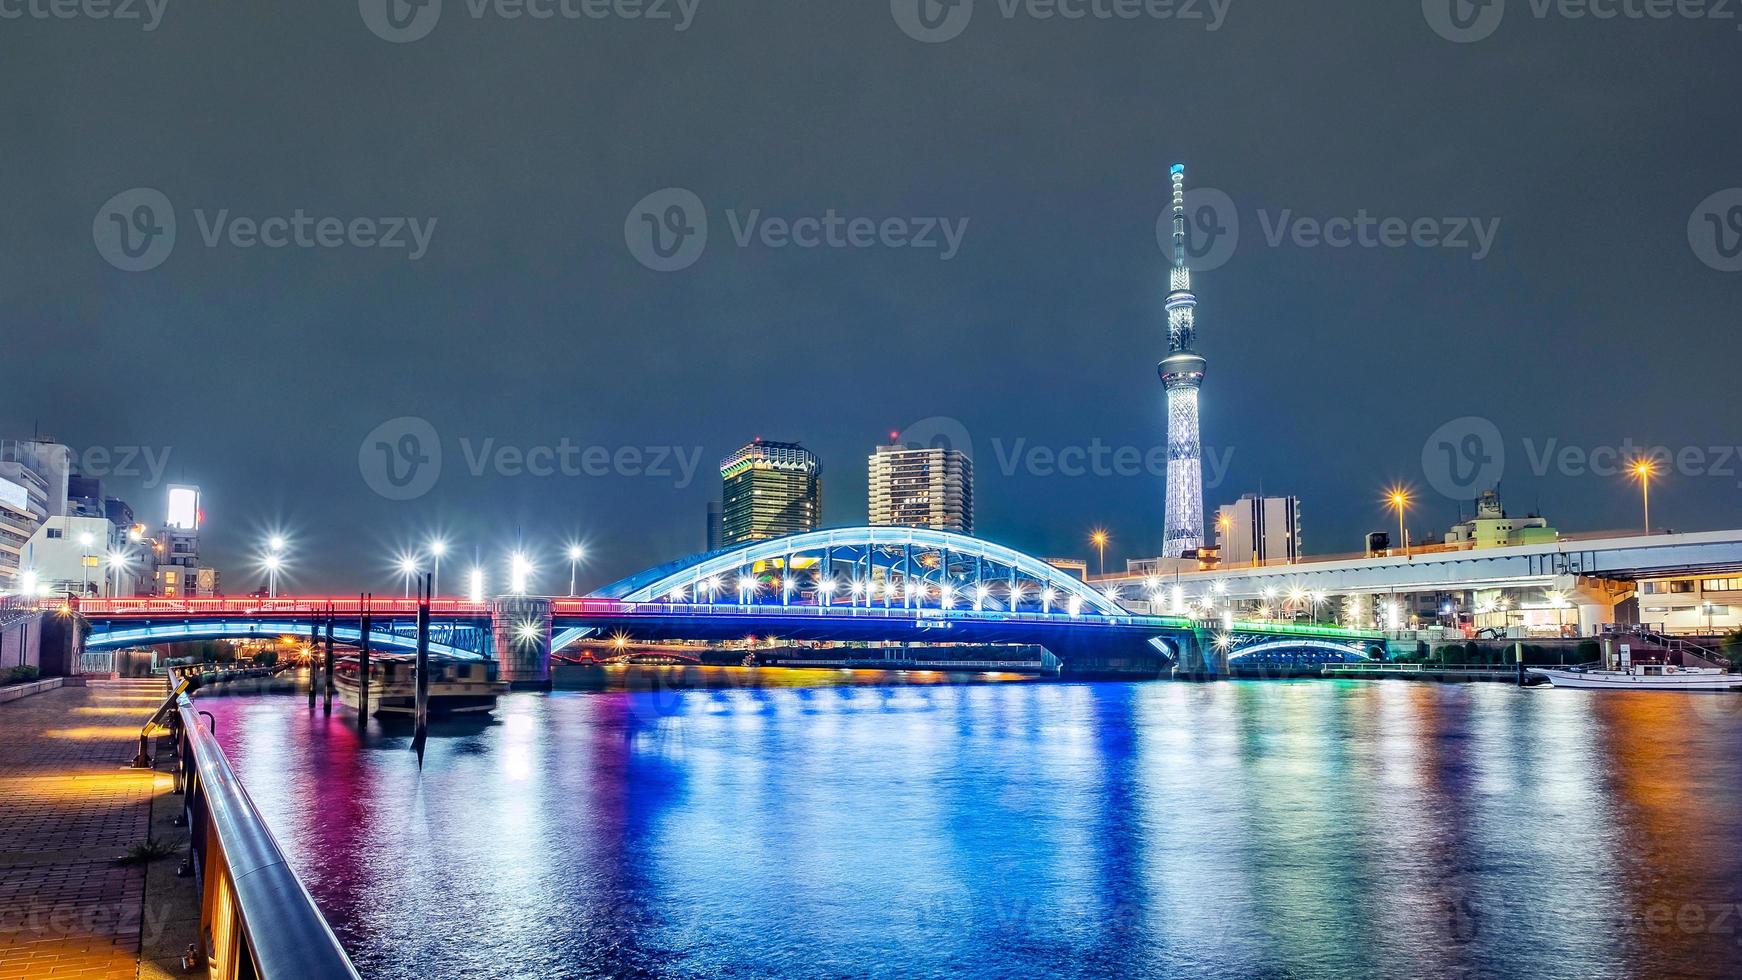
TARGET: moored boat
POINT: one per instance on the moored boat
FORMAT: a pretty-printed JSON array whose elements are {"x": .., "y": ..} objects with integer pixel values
[
  {"x": 1642, "y": 677},
  {"x": 455, "y": 686}
]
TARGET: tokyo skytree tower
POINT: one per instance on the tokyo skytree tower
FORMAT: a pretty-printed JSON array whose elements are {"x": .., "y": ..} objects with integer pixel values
[{"x": 1183, "y": 374}]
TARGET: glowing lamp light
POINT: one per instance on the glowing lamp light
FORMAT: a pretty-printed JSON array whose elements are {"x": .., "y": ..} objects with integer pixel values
[
  {"x": 475, "y": 585},
  {"x": 519, "y": 573}
]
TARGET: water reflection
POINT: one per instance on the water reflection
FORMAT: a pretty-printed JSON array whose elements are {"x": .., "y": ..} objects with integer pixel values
[{"x": 1309, "y": 828}]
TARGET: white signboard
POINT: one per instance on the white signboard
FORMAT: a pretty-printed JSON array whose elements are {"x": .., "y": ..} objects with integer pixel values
[{"x": 14, "y": 496}]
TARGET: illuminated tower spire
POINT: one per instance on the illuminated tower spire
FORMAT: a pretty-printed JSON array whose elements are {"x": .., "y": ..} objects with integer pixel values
[{"x": 1182, "y": 373}]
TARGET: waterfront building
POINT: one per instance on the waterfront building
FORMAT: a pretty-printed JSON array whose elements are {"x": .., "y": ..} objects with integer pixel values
[
  {"x": 1493, "y": 528},
  {"x": 1259, "y": 530},
  {"x": 33, "y": 487},
  {"x": 1075, "y": 567},
  {"x": 1182, "y": 374},
  {"x": 768, "y": 490},
  {"x": 1709, "y": 605},
  {"x": 179, "y": 570},
  {"x": 927, "y": 487}
]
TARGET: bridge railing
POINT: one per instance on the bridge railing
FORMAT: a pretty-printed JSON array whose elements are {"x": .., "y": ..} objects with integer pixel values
[
  {"x": 274, "y": 607},
  {"x": 257, "y": 918}
]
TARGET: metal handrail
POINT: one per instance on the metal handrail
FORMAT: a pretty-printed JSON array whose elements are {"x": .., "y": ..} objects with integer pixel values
[{"x": 274, "y": 922}]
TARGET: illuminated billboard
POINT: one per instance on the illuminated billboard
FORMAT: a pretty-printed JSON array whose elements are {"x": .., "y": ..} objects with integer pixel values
[{"x": 184, "y": 508}]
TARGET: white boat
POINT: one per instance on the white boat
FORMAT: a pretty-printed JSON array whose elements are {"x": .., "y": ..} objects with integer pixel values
[
  {"x": 1642, "y": 677},
  {"x": 455, "y": 686}
]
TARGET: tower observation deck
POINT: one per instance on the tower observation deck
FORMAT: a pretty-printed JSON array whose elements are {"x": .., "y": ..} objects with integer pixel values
[{"x": 1182, "y": 374}]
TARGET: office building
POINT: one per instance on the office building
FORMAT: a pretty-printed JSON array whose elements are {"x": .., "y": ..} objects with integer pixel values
[
  {"x": 1259, "y": 530},
  {"x": 769, "y": 489},
  {"x": 931, "y": 487}
]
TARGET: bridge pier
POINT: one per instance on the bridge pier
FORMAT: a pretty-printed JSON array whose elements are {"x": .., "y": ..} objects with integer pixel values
[
  {"x": 520, "y": 630},
  {"x": 1198, "y": 660}
]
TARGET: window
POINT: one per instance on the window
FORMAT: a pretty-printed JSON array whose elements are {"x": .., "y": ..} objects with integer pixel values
[{"x": 55, "y": 533}]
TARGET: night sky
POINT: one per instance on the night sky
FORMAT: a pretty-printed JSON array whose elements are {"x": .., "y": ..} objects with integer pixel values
[{"x": 1597, "y": 318}]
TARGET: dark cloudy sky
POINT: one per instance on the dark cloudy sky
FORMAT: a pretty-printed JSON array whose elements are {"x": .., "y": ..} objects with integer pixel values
[{"x": 1595, "y": 317}]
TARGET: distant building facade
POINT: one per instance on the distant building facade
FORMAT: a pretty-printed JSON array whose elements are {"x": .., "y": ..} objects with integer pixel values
[
  {"x": 932, "y": 487},
  {"x": 1493, "y": 528},
  {"x": 768, "y": 490},
  {"x": 1257, "y": 530}
]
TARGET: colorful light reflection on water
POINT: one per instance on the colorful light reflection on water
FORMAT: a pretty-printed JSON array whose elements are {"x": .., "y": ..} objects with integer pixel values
[{"x": 1018, "y": 829}]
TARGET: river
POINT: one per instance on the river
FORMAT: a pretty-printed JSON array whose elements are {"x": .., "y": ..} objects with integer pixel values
[{"x": 883, "y": 828}]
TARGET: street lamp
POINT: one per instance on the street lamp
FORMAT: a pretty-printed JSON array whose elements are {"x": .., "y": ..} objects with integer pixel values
[
  {"x": 475, "y": 590},
  {"x": 1643, "y": 471},
  {"x": 408, "y": 568},
  {"x": 1398, "y": 498},
  {"x": 274, "y": 562},
  {"x": 437, "y": 548},
  {"x": 575, "y": 554},
  {"x": 519, "y": 573},
  {"x": 118, "y": 564},
  {"x": 1098, "y": 538}
]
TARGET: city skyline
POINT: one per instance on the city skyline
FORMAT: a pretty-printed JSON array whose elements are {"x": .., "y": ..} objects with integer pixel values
[{"x": 1334, "y": 367}]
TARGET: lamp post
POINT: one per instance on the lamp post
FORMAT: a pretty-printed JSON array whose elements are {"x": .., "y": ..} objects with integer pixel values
[
  {"x": 519, "y": 573},
  {"x": 1098, "y": 538},
  {"x": 274, "y": 561},
  {"x": 408, "y": 568},
  {"x": 1399, "y": 500},
  {"x": 574, "y": 565},
  {"x": 1643, "y": 471},
  {"x": 437, "y": 548},
  {"x": 117, "y": 564}
]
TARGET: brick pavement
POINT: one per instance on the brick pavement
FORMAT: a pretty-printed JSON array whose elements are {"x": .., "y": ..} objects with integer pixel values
[{"x": 68, "y": 807}]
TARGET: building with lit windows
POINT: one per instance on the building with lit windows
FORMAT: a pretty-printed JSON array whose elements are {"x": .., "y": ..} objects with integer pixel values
[
  {"x": 769, "y": 489},
  {"x": 931, "y": 487},
  {"x": 1259, "y": 531}
]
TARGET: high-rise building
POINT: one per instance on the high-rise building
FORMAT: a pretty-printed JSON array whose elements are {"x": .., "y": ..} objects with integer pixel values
[
  {"x": 932, "y": 487},
  {"x": 769, "y": 489},
  {"x": 1259, "y": 531},
  {"x": 1182, "y": 374},
  {"x": 40, "y": 469}
]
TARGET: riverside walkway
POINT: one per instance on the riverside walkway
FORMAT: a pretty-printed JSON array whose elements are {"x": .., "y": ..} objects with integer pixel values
[{"x": 68, "y": 808}]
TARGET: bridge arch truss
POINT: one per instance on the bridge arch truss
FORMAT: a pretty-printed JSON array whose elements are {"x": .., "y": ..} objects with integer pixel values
[{"x": 884, "y": 567}]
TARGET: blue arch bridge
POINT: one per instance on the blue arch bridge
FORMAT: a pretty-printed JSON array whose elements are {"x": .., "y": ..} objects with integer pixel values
[{"x": 847, "y": 585}]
